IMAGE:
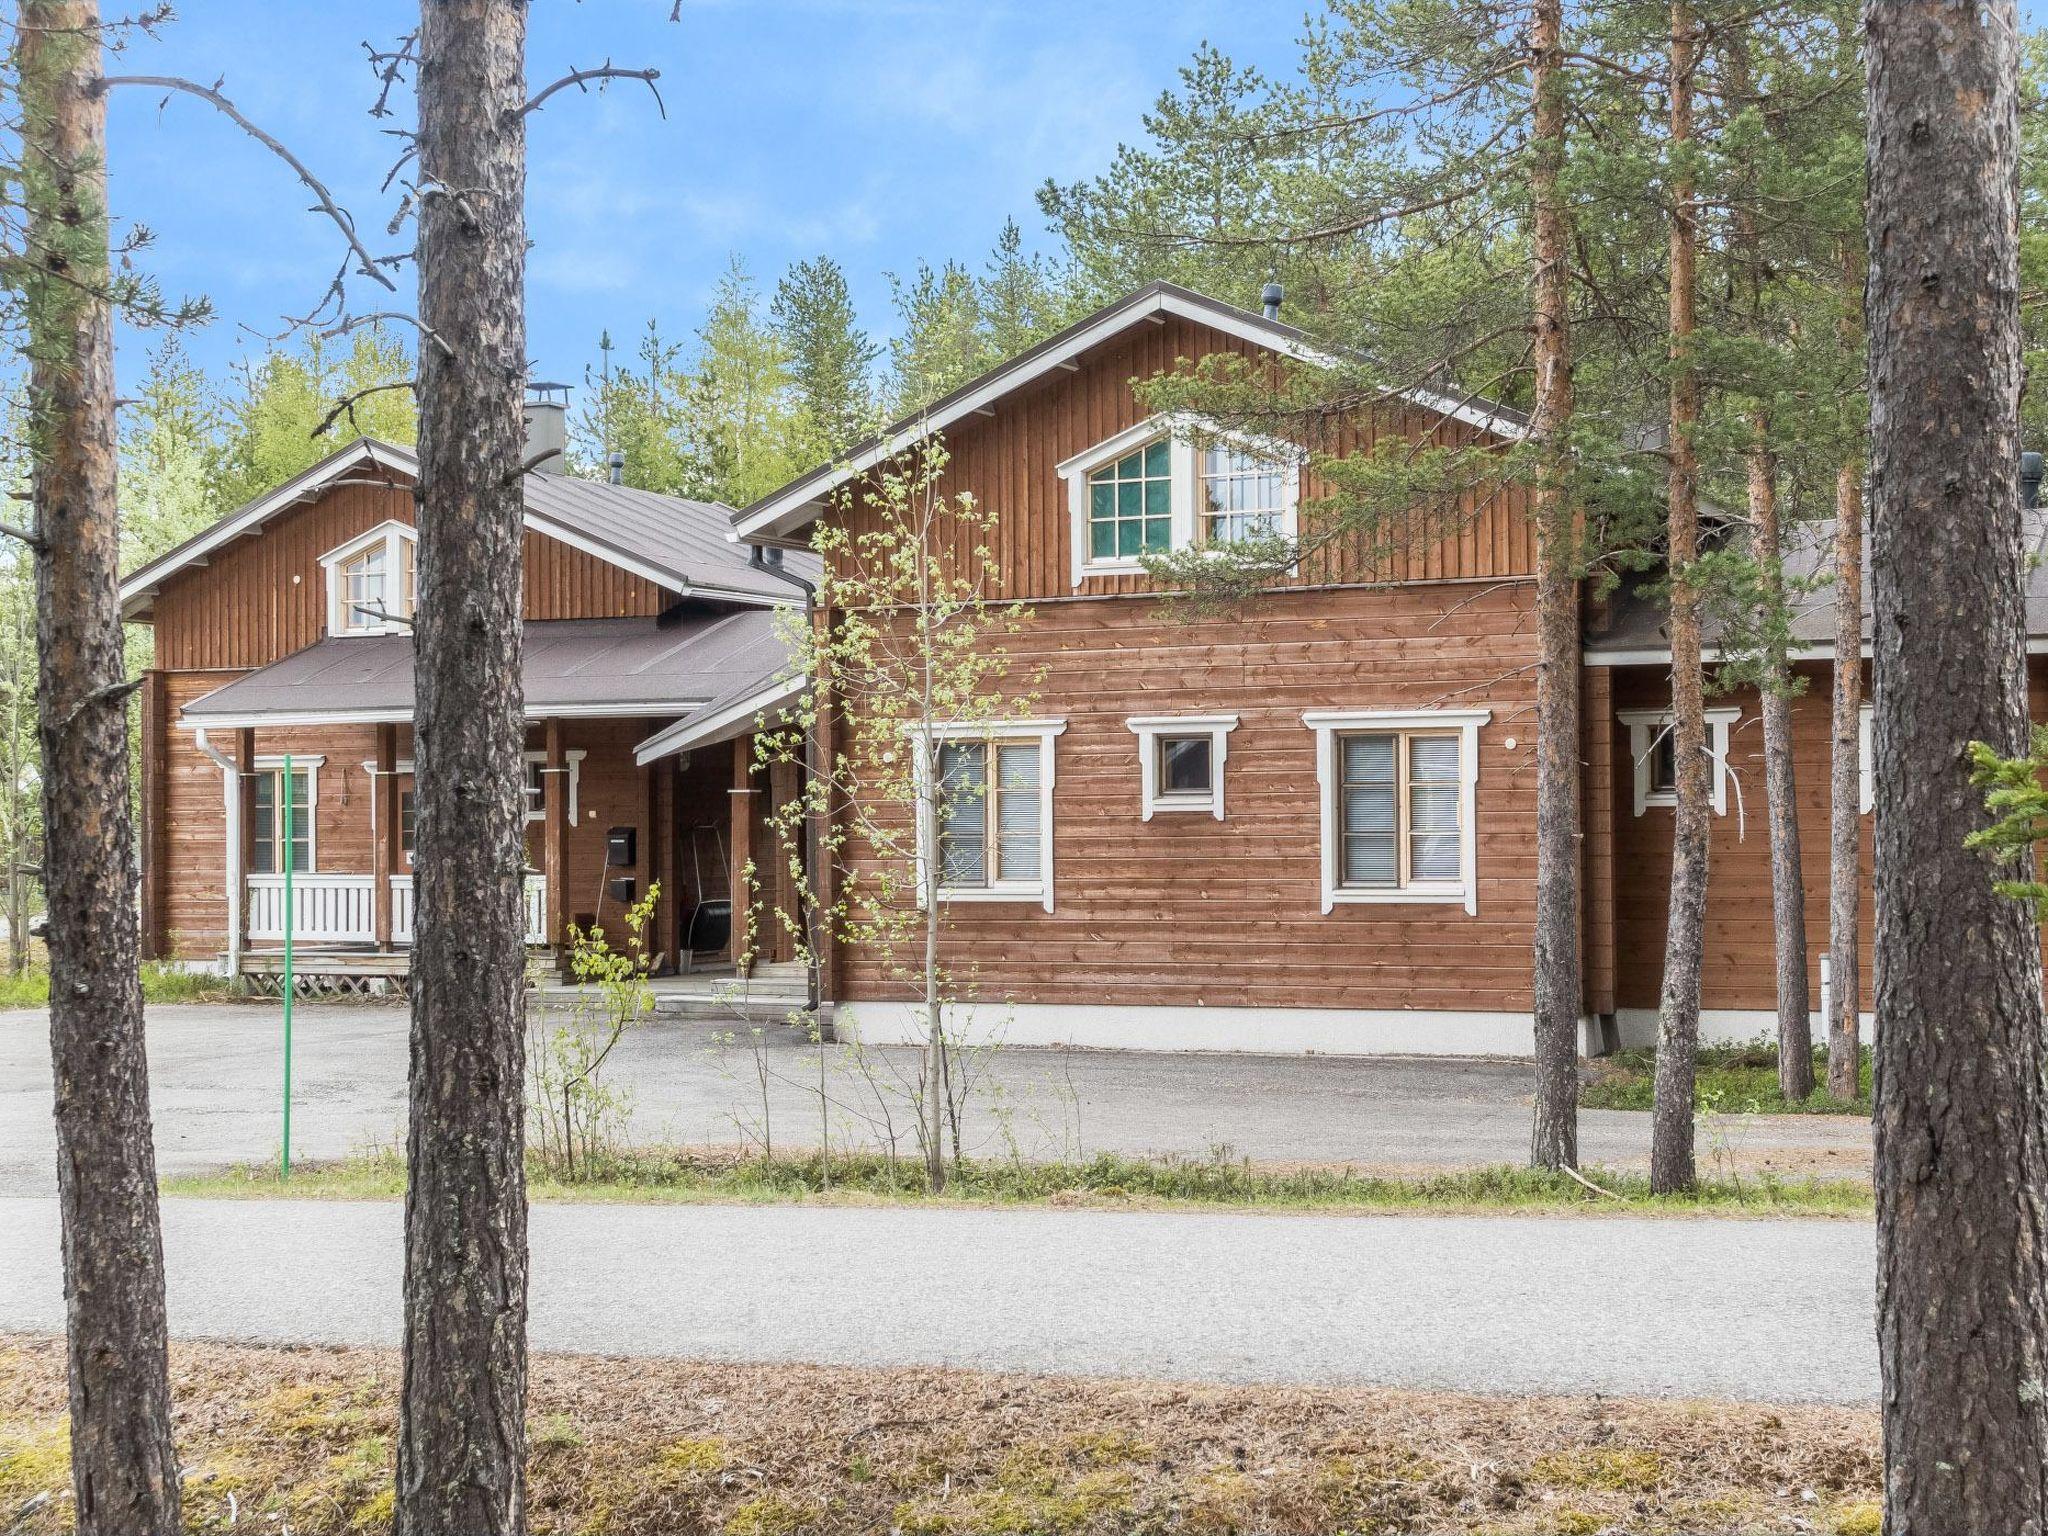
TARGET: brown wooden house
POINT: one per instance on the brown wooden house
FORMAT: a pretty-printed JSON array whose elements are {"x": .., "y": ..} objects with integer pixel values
[{"x": 1304, "y": 825}]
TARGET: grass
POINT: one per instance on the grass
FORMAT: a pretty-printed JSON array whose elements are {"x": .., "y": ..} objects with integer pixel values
[
  {"x": 1108, "y": 1181},
  {"x": 160, "y": 984},
  {"x": 1732, "y": 1080},
  {"x": 302, "y": 1440}
]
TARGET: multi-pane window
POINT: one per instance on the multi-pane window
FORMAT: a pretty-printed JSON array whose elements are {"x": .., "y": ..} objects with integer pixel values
[
  {"x": 1398, "y": 807},
  {"x": 364, "y": 604},
  {"x": 1130, "y": 504},
  {"x": 1664, "y": 763},
  {"x": 1185, "y": 766},
  {"x": 267, "y": 828},
  {"x": 1243, "y": 496},
  {"x": 990, "y": 812},
  {"x": 408, "y": 814}
]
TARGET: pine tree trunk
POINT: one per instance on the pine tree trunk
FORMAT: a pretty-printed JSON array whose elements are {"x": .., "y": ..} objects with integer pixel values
[
  {"x": 461, "y": 1448},
  {"x": 124, "y": 1470},
  {"x": 1962, "y": 1059},
  {"x": 1557, "y": 985},
  {"x": 1845, "y": 788},
  {"x": 1678, "y": 1013},
  {"x": 1781, "y": 789}
]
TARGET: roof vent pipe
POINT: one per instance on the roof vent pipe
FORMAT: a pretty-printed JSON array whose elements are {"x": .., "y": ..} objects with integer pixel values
[
  {"x": 2030, "y": 479},
  {"x": 1272, "y": 296},
  {"x": 615, "y": 465},
  {"x": 547, "y": 429}
]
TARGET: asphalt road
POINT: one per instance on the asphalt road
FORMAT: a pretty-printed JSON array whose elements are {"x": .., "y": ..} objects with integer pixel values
[
  {"x": 215, "y": 1076},
  {"x": 1760, "y": 1310}
]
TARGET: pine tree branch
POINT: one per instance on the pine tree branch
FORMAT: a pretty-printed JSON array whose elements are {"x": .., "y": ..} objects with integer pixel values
[
  {"x": 368, "y": 264},
  {"x": 580, "y": 78}
]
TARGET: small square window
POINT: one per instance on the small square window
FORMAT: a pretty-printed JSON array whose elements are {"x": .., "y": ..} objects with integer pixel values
[
  {"x": 1184, "y": 765},
  {"x": 1664, "y": 763}
]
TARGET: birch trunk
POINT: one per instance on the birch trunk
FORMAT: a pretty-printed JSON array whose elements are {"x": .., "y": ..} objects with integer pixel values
[
  {"x": 1962, "y": 1059},
  {"x": 1678, "y": 1013},
  {"x": 124, "y": 1470},
  {"x": 1559, "y": 991},
  {"x": 1845, "y": 788},
  {"x": 461, "y": 1448}
]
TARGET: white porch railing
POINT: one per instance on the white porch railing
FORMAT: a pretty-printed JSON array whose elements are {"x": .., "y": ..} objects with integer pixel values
[
  {"x": 536, "y": 909},
  {"x": 326, "y": 909}
]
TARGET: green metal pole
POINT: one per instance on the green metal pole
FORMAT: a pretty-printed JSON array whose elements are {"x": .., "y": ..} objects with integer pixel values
[{"x": 289, "y": 917}]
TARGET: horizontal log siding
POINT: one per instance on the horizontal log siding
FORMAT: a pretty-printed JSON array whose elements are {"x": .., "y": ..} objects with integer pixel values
[
  {"x": 1008, "y": 461},
  {"x": 1188, "y": 910},
  {"x": 1739, "y": 943},
  {"x": 263, "y": 597}
]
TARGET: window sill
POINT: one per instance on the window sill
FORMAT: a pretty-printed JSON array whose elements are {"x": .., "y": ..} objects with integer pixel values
[
  {"x": 1113, "y": 568},
  {"x": 1032, "y": 895},
  {"x": 1403, "y": 896},
  {"x": 1205, "y": 806}
]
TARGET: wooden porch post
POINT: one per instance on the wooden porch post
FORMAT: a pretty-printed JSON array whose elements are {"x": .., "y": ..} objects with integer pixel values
[
  {"x": 245, "y": 802},
  {"x": 742, "y": 851},
  {"x": 384, "y": 833},
  {"x": 1596, "y": 901},
  {"x": 666, "y": 941},
  {"x": 154, "y": 789},
  {"x": 783, "y": 780},
  {"x": 554, "y": 833}
]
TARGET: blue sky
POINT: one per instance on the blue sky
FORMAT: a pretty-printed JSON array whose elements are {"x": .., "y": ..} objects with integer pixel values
[{"x": 880, "y": 131}]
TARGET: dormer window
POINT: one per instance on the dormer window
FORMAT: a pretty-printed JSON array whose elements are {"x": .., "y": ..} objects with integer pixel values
[
  {"x": 1152, "y": 490},
  {"x": 372, "y": 581}
]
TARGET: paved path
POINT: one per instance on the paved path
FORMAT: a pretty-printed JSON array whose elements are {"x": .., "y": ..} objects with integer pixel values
[
  {"x": 1768, "y": 1310},
  {"x": 215, "y": 1081}
]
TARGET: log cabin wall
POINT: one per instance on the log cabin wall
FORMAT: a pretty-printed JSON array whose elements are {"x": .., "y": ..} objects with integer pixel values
[
  {"x": 1188, "y": 910},
  {"x": 264, "y": 596},
  {"x": 1008, "y": 461}
]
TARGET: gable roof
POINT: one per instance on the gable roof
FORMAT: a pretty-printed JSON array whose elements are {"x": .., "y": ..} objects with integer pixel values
[
  {"x": 782, "y": 512},
  {"x": 680, "y": 545}
]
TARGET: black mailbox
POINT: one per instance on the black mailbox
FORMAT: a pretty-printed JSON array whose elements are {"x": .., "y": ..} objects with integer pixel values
[
  {"x": 625, "y": 890},
  {"x": 621, "y": 848}
]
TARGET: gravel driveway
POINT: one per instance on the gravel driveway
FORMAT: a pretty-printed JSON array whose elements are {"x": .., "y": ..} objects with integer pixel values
[
  {"x": 216, "y": 1075},
  {"x": 1763, "y": 1310}
]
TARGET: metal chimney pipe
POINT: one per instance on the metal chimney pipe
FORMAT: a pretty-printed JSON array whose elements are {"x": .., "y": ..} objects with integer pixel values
[
  {"x": 1272, "y": 296},
  {"x": 615, "y": 463}
]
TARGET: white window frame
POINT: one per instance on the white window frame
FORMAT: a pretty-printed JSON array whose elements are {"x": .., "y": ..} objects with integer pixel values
[
  {"x": 1328, "y": 726},
  {"x": 1866, "y": 762},
  {"x": 1149, "y": 729},
  {"x": 274, "y": 764},
  {"x": 1646, "y": 725},
  {"x": 1185, "y": 471},
  {"x": 1042, "y": 731},
  {"x": 342, "y": 619},
  {"x": 537, "y": 803}
]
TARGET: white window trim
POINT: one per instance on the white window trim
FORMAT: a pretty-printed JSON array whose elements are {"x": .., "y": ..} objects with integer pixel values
[
  {"x": 274, "y": 763},
  {"x": 574, "y": 758},
  {"x": 1149, "y": 729},
  {"x": 1644, "y": 727},
  {"x": 1041, "y": 730},
  {"x": 1328, "y": 725},
  {"x": 1866, "y": 762},
  {"x": 391, "y": 533},
  {"x": 1184, "y": 466}
]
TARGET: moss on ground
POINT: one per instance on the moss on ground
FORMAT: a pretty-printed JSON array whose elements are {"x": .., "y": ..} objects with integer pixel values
[
  {"x": 304, "y": 1438},
  {"x": 1108, "y": 1181}
]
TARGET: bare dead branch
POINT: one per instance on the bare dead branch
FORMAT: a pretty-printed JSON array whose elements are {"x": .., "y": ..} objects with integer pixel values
[
  {"x": 580, "y": 78},
  {"x": 346, "y": 406},
  {"x": 32, "y": 540},
  {"x": 356, "y": 322},
  {"x": 102, "y": 695},
  {"x": 367, "y": 263}
]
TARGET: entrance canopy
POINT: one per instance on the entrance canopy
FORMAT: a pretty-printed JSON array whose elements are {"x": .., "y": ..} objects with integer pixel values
[{"x": 574, "y": 669}]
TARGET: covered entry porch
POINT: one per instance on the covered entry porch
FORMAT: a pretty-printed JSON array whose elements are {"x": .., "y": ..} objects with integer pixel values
[{"x": 602, "y": 826}]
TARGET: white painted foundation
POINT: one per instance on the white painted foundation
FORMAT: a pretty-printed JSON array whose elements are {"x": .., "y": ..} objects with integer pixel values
[
  {"x": 1727, "y": 1026},
  {"x": 1271, "y": 1031}
]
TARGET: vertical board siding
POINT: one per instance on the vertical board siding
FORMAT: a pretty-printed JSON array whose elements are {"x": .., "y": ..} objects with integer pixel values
[
  {"x": 1185, "y": 909},
  {"x": 1007, "y": 462},
  {"x": 264, "y": 596}
]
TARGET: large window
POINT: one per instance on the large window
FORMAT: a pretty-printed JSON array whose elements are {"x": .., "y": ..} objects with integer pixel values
[
  {"x": 372, "y": 581},
  {"x": 990, "y": 810},
  {"x": 1399, "y": 802},
  {"x": 537, "y": 779},
  {"x": 1169, "y": 484},
  {"x": 1653, "y": 755},
  {"x": 1130, "y": 504},
  {"x": 267, "y": 841}
]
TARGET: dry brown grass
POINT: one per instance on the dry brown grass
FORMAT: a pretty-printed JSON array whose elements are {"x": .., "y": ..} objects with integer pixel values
[{"x": 302, "y": 1438}]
